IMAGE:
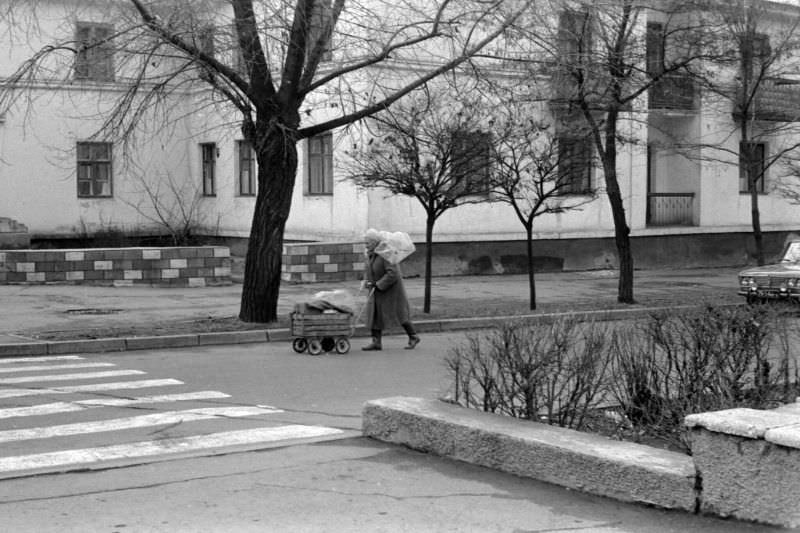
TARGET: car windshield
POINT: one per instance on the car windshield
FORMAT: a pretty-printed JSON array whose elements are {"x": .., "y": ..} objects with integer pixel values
[{"x": 792, "y": 254}]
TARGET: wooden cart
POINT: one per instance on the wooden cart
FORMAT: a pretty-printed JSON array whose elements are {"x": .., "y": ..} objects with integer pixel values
[{"x": 322, "y": 332}]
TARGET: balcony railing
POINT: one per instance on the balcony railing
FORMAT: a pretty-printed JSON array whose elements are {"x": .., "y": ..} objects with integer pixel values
[
  {"x": 673, "y": 91},
  {"x": 670, "y": 209}
]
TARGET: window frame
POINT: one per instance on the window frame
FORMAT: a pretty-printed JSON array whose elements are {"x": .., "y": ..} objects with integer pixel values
[
  {"x": 246, "y": 161},
  {"x": 209, "y": 168},
  {"x": 568, "y": 170},
  {"x": 92, "y": 165},
  {"x": 744, "y": 178},
  {"x": 320, "y": 184},
  {"x": 93, "y": 62},
  {"x": 477, "y": 145}
]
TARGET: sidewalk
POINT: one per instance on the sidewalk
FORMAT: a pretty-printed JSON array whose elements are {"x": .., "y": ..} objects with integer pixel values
[{"x": 29, "y": 311}]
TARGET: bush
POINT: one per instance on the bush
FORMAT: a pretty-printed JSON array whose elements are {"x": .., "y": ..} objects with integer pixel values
[
  {"x": 635, "y": 380},
  {"x": 545, "y": 372}
]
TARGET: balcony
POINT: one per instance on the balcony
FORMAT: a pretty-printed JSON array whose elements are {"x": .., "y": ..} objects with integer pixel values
[
  {"x": 672, "y": 92},
  {"x": 777, "y": 101},
  {"x": 670, "y": 209}
]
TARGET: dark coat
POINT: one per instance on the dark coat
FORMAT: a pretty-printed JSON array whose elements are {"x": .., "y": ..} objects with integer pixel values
[{"x": 387, "y": 304}]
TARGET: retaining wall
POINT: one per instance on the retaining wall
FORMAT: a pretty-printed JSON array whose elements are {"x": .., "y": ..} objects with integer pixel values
[
  {"x": 319, "y": 261},
  {"x": 199, "y": 266},
  {"x": 582, "y": 461}
]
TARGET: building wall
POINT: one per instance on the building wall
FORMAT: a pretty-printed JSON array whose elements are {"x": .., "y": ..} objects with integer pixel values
[{"x": 37, "y": 174}]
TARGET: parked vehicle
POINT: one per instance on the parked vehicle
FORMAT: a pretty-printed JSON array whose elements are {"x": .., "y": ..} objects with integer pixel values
[{"x": 776, "y": 281}]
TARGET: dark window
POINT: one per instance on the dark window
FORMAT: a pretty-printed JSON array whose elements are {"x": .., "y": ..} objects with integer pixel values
[
  {"x": 95, "y": 57},
  {"x": 655, "y": 48},
  {"x": 472, "y": 161},
  {"x": 247, "y": 184},
  {"x": 209, "y": 156},
  {"x": 574, "y": 165},
  {"x": 574, "y": 37},
  {"x": 320, "y": 164},
  {"x": 319, "y": 29},
  {"x": 94, "y": 170},
  {"x": 752, "y": 166}
]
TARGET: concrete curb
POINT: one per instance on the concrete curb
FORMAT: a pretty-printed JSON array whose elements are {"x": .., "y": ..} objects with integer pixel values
[
  {"x": 122, "y": 344},
  {"x": 581, "y": 461}
]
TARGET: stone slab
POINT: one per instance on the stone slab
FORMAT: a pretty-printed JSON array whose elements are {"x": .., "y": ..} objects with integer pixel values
[
  {"x": 743, "y": 422},
  {"x": 86, "y": 346},
  {"x": 572, "y": 459},
  {"x": 163, "y": 341},
  {"x": 231, "y": 337},
  {"x": 747, "y": 478}
]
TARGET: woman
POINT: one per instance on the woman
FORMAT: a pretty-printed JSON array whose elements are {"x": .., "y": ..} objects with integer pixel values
[{"x": 387, "y": 303}]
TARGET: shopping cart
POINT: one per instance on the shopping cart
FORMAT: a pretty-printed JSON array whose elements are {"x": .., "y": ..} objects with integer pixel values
[{"x": 317, "y": 332}]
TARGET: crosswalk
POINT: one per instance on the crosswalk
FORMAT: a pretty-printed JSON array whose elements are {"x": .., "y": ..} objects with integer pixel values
[{"x": 61, "y": 413}]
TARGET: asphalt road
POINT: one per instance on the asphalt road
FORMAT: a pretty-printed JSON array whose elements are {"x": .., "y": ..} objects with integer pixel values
[{"x": 341, "y": 483}]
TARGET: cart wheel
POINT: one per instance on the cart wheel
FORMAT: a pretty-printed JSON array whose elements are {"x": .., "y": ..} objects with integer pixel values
[
  {"x": 314, "y": 347},
  {"x": 300, "y": 344},
  {"x": 328, "y": 344},
  {"x": 342, "y": 345}
]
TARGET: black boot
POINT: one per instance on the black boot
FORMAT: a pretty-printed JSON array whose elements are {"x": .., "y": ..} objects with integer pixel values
[
  {"x": 375, "y": 345},
  {"x": 413, "y": 338}
]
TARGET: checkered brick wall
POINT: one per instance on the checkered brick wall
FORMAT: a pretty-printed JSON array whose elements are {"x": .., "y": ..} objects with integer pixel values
[
  {"x": 162, "y": 267},
  {"x": 323, "y": 261}
]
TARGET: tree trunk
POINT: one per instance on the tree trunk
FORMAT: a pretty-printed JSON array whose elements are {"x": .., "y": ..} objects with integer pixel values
[
  {"x": 426, "y": 308},
  {"x": 276, "y": 155},
  {"x": 531, "y": 281},
  {"x": 621, "y": 230}
]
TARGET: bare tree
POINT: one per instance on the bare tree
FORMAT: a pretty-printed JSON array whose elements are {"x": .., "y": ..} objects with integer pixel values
[
  {"x": 274, "y": 64},
  {"x": 758, "y": 62},
  {"x": 596, "y": 56},
  {"x": 533, "y": 172},
  {"x": 432, "y": 148}
]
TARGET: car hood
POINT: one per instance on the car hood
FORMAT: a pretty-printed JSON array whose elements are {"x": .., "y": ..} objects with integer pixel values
[{"x": 772, "y": 270}]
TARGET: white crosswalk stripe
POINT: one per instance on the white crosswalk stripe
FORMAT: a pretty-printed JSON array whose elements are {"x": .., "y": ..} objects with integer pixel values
[
  {"x": 68, "y": 366},
  {"x": 161, "y": 447},
  {"x": 80, "y": 405},
  {"x": 68, "y": 377},
  {"x": 50, "y": 447},
  {"x": 94, "y": 387},
  {"x": 116, "y": 424}
]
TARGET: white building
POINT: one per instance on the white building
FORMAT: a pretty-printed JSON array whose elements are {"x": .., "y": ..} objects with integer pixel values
[{"x": 61, "y": 182}]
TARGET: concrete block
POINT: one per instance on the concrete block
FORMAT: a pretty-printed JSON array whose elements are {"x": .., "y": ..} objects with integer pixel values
[
  {"x": 35, "y": 277},
  {"x": 162, "y": 341},
  {"x": 151, "y": 253},
  {"x": 132, "y": 274},
  {"x": 747, "y": 478},
  {"x": 74, "y": 276},
  {"x": 74, "y": 256},
  {"x": 222, "y": 252},
  {"x": 178, "y": 263},
  {"x": 572, "y": 459},
  {"x": 26, "y": 267},
  {"x": 196, "y": 282},
  {"x": 103, "y": 265},
  {"x": 750, "y": 423},
  {"x": 86, "y": 346},
  {"x": 169, "y": 273}
]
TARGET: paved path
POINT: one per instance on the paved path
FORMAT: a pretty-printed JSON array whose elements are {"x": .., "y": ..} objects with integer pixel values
[{"x": 28, "y": 309}]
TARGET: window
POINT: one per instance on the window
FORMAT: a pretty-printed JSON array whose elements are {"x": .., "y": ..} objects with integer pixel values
[
  {"x": 319, "y": 29},
  {"x": 574, "y": 37},
  {"x": 655, "y": 48},
  {"x": 209, "y": 158},
  {"x": 574, "y": 165},
  {"x": 247, "y": 164},
  {"x": 94, "y": 170},
  {"x": 95, "y": 58},
  {"x": 472, "y": 160},
  {"x": 320, "y": 164},
  {"x": 752, "y": 166}
]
